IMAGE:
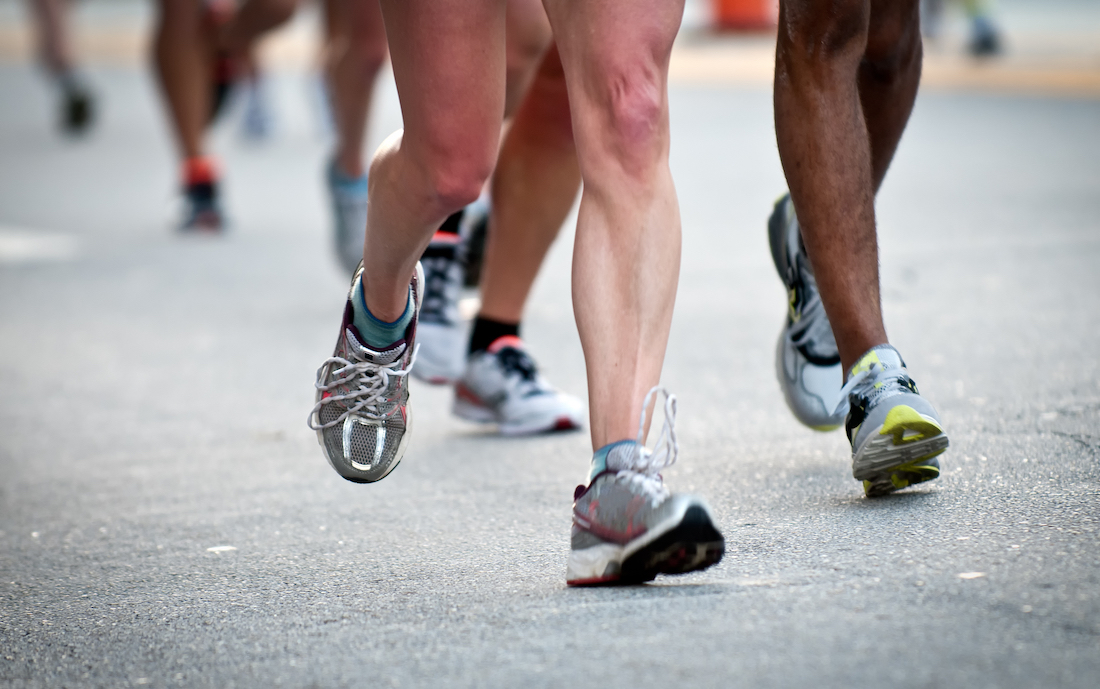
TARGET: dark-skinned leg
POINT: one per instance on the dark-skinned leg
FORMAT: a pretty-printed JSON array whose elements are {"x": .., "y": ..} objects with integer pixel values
[
  {"x": 888, "y": 78},
  {"x": 846, "y": 76}
]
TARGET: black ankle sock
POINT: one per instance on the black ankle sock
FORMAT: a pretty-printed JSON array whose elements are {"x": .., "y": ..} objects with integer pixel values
[
  {"x": 485, "y": 332},
  {"x": 450, "y": 225}
]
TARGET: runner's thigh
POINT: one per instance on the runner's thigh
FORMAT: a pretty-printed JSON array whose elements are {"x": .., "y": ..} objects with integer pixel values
[{"x": 448, "y": 62}]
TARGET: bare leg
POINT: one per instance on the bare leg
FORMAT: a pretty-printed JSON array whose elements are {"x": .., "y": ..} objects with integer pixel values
[
  {"x": 534, "y": 185},
  {"x": 627, "y": 254},
  {"x": 529, "y": 36},
  {"x": 889, "y": 75},
  {"x": 183, "y": 58},
  {"x": 253, "y": 19},
  {"x": 846, "y": 77},
  {"x": 448, "y": 61},
  {"x": 355, "y": 53},
  {"x": 55, "y": 43}
]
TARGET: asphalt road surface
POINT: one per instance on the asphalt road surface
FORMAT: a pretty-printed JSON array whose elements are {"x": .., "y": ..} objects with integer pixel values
[{"x": 167, "y": 519}]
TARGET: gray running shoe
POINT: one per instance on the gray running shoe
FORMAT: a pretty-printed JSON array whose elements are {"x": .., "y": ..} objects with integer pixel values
[
  {"x": 895, "y": 433},
  {"x": 442, "y": 335},
  {"x": 807, "y": 362},
  {"x": 348, "y": 196},
  {"x": 362, "y": 417},
  {"x": 628, "y": 527},
  {"x": 501, "y": 385}
]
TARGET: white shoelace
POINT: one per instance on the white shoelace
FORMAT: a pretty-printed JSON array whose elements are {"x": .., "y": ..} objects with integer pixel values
[
  {"x": 373, "y": 380},
  {"x": 646, "y": 465}
]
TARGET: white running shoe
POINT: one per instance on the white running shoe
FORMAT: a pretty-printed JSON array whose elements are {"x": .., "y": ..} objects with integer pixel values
[
  {"x": 807, "y": 362},
  {"x": 502, "y": 386},
  {"x": 440, "y": 333}
]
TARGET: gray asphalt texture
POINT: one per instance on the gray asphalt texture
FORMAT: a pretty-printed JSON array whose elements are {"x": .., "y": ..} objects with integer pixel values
[{"x": 154, "y": 392}]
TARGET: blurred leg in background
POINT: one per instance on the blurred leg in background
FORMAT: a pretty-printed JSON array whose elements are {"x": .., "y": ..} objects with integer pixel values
[
  {"x": 77, "y": 105},
  {"x": 985, "y": 38},
  {"x": 534, "y": 185},
  {"x": 355, "y": 51},
  {"x": 184, "y": 59}
]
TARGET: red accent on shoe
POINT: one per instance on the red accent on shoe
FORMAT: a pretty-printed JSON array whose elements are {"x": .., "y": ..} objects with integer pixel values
[
  {"x": 505, "y": 341},
  {"x": 594, "y": 581},
  {"x": 441, "y": 237},
  {"x": 468, "y": 395},
  {"x": 564, "y": 424}
]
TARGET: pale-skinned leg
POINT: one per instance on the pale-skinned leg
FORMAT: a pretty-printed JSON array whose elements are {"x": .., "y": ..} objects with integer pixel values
[
  {"x": 626, "y": 260},
  {"x": 448, "y": 62}
]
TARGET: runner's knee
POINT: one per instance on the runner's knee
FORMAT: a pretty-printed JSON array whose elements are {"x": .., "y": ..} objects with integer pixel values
[
  {"x": 456, "y": 176},
  {"x": 631, "y": 129}
]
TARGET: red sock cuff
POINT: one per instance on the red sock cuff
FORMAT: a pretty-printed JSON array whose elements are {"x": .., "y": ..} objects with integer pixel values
[{"x": 199, "y": 170}]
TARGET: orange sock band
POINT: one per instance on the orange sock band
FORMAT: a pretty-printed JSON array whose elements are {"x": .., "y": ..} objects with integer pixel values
[{"x": 199, "y": 170}]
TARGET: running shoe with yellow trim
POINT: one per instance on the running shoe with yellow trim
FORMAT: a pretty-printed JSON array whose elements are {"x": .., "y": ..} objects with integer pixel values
[
  {"x": 807, "y": 362},
  {"x": 896, "y": 434},
  {"x": 627, "y": 526}
]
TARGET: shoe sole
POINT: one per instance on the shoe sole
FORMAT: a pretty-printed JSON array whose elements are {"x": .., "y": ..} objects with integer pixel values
[
  {"x": 691, "y": 545},
  {"x": 902, "y": 452}
]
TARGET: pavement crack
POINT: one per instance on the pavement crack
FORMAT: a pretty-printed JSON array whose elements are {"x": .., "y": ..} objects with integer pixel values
[{"x": 1087, "y": 441}]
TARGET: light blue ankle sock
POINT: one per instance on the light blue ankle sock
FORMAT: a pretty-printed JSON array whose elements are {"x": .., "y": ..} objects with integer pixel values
[
  {"x": 378, "y": 334},
  {"x": 599, "y": 458}
]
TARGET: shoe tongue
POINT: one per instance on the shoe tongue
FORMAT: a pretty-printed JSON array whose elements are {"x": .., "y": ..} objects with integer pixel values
[
  {"x": 622, "y": 456},
  {"x": 374, "y": 356},
  {"x": 613, "y": 457},
  {"x": 884, "y": 355}
]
